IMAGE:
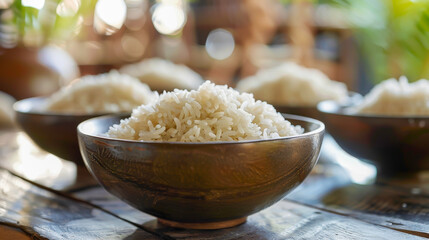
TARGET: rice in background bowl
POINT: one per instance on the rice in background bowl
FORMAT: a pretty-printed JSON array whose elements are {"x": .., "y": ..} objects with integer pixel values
[
  {"x": 396, "y": 98},
  {"x": 161, "y": 74},
  {"x": 103, "y": 93},
  {"x": 293, "y": 85},
  {"x": 211, "y": 113}
]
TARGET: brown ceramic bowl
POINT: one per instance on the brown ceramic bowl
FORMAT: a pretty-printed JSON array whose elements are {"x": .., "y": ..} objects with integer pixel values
[
  {"x": 53, "y": 132},
  {"x": 394, "y": 144},
  {"x": 200, "y": 185}
]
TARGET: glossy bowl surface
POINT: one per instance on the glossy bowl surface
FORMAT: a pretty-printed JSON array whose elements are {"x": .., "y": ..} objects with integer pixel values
[
  {"x": 199, "y": 183},
  {"x": 53, "y": 132},
  {"x": 394, "y": 144}
]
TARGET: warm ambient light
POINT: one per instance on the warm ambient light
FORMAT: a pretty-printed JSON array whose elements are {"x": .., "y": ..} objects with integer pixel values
[
  {"x": 109, "y": 16},
  {"x": 168, "y": 18},
  {"x": 38, "y": 4},
  {"x": 358, "y": 171},
  {"x": 34, "y": 164},
  {"x": 5, "y": 4},
  {"x": 220, "y": 44},
  {"x": 68, "y": 8}
]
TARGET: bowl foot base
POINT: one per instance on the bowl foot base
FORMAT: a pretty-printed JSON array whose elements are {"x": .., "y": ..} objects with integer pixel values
[{"x": 203, "y": 226}]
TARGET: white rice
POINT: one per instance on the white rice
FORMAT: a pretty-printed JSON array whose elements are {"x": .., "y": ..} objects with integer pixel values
[
  {"x": 211, "y": 113},
  {"x": 294, "y": 85},
  {"x": 161, "y": 74},
  {"x": 393, "y": 97},
  {"x": 104, "y": 93}
]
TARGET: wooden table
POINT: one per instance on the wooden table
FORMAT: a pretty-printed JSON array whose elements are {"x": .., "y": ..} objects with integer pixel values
[{"x": 40, "y": 199}]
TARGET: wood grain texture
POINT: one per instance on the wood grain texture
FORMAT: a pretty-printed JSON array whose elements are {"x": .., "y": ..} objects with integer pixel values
[
  {"x": 282, "y": 221},
  {"x": 401, "y": 204},
  {"x": 100, "y": 197},
  {"x": 55, "y": 217},
  {"x": 288, "y": 220}
]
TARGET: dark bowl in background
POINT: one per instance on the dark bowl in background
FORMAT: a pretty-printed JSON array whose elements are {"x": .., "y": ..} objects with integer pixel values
[
  {"x": 311, "y": 111},
  {"x": 53, "y": 132},
  {"x": 200, "y": 185},
  {"x": 394, "y": 144},
  {"x": 306, "y": 111}
]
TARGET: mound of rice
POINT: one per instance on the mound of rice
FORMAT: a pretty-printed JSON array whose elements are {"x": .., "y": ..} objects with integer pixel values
[
  {"x": 293, "y": 85},
  {"x": 162, "y": 75},
  {"x": 104, "y": 93},
  {"x": 211, "y": 113},
  {"x": 400, "y": 98}
]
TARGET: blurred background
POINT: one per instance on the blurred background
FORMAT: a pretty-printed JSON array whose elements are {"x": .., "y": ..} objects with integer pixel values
[{"x": 44, "y": 44}]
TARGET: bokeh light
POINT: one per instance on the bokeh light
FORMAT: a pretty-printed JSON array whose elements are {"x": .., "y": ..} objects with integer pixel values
[
  {"x": 32, "y": 38},
  {"x": 38, "y": 4},
  {"x": 136, "y": 9},
  {"x": 220, "y": 44},
  {"x": 60, "y": 61},
  {"x": 109, "y": 16},
  {"x": 78, "y": 26},
  {"x": 168, "y": 18},
  {"x": 5, "y": 4},
  {"x": 8, "y": 32},
  {"x": 132, "y": 47},
  {"x": 68, "y": 8}
]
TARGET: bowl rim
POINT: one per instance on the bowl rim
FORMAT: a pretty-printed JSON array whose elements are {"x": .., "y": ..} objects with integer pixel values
[
  {"x": 334, "y": 108},
  {"x": 318, "y": 130},
  {"x": 27, "y": 106}
]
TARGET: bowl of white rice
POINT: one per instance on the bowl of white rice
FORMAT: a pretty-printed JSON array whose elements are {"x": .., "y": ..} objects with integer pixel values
[
  {"x": 202, "y": 159},
  {"x": 51, "y": 121},
  {"x": 294, "y": 89},
  {"x": 389, "y": 127}
]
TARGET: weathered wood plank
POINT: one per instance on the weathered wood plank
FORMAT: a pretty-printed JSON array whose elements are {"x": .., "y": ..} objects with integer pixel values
[
  {"x": 56, "y": 217},
  {"x": 283, "y": 220},
  {"x": 287, "y": 220},
  {"x": 394, "y": 203},
  {"x": 100, "y": 197}
]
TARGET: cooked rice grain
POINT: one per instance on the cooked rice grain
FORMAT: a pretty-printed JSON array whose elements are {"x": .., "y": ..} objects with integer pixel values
[
  {"x": 161, "y": 74},
  {"x": 294, "y": 85},
  {"x": 396, "y": 98},
  {"x": 104, "y": 93},
  {"x": 211, "y": 113}
]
